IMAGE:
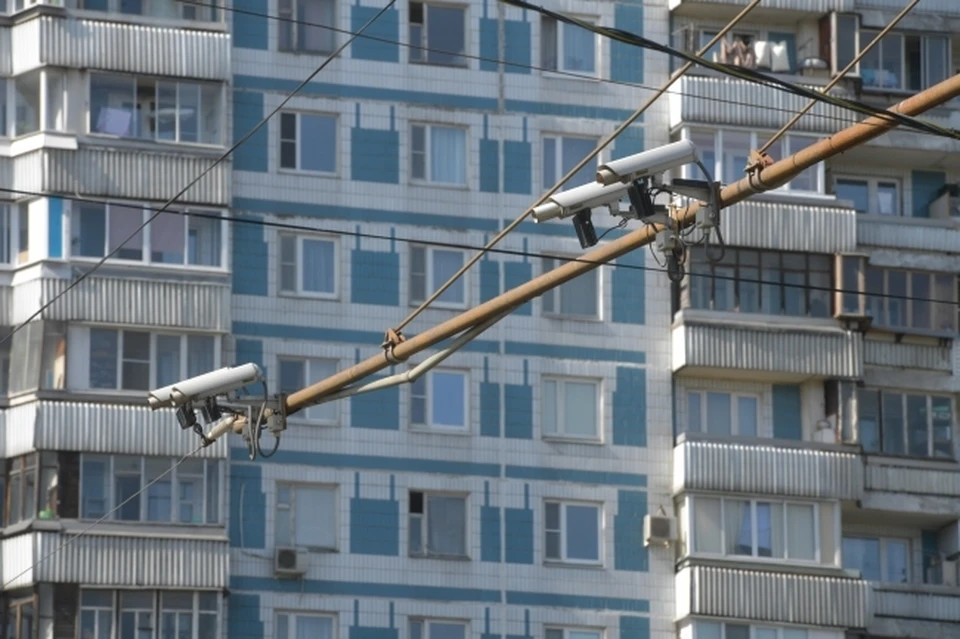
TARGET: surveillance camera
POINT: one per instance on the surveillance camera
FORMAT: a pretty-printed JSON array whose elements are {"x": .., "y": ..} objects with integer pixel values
[
  {"x": 567, "y": 203},
  {"x": 652, "y": 162},
  {"x": 201, "y": 387}
]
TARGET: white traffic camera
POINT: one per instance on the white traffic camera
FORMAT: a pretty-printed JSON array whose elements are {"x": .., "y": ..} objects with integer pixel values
[
  {"x": 566, "y": 204},
  {"x": 648, "y": 163},
  {"x": 202, "y": 387}
]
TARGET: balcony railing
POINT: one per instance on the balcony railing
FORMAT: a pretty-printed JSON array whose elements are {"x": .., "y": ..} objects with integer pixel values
[
  {"x": 931, "y": 357},
  {"x": 910, "y": 601},
  {"x": 939, "y": 7},
  {"x": 904, "y": 233},
  {"x": 932, "y": 478},
  {"x": 790, "y": 224},
  {"x": 807, "y": 6},
  {"x": 773, "y": 597},
  {"x": 816, "y": 471},
  {"x": 119, "y": 46}
]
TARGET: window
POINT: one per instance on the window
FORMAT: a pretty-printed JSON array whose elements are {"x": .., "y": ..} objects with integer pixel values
[
  {"x": 755, "y": 528},
  {"x": 438, "y": 34},
  {"x": 193, "y": 238},
  {"x": 306, "y": 516},
  {"x": 578, "y": 298},
  {"x": 167, "y": 9},
  {"x": 727, "y": 630},
  {"x": 308, "y": 142},
  {"x": 572, "y": 532},
  {"x": 435, "y": 629},
  {"x": 302, "y": 626},
  {"x": 908, "y": 62},
  {"x": 571, "y": 633},
  {"x": 301, "y": 26},
  {"x": 134, "y": 614},
  {"x": 23, "y": 234},
  {"x": 725, "y": 154},
  {"x": 773, "y": 283},
  {"x": 159, "y": 110},
  {"x": 571, "y": 408},
  {"x": 308, "y": 266},
  {"x": 4, "y": 132},
  {"x": 438, "y": 525},
  {"x": 138, "y": 360},
  {"x": 300, "y": 373},
  {"x": 876, "y": 196},
  {"x": 184, "y": 494},
  {"x": 567, "y": 47},
  {"x": 26, "y": 103},
  {"x": 438, "y": 400},
  {"x": 900, "y": 300},
  {"x": 562, "y": 153},
  {"x": 719, "y": 413},
  {"x": 438, "y": 154},
  {"x": 431, "y": 268},
  {"x": 8, "y": 224},
  {"x": 22, "y": 492},
  {"x": 22, "y": 618},
  {"x": 905, "y": 424},
  {"x": 878, "y": 559}
]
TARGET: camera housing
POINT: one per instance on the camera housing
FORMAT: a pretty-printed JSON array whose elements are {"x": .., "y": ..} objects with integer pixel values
[
  {"x": 202, "y": 387},
  {"x": 566, "y": 204},
  {"x": 648, "y": 163}
]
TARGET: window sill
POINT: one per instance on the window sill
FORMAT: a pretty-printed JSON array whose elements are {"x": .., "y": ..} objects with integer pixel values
[
  {"x": 422, "y": 63},
  {"x": 438, "y": 557},
  {"x": 878, "y": 458},
  {"x": 764, "y": 565},
  {"x": 573, "y": 318},
  {"x": 909, "y": 220},
  {"x": 33, "y": 524},
  {"x": 758, "y": 320},
  {"x": 916, "y": 332},
  {"x": 749, "y": 561},
  {"x": 442, "y": 306},
  {"x": 293, "y": 421},
  {"x": 303, "y": 51},
  {"x": 305, "y": 173},
  {"x": 447, "y": 186},
  {"x": 561, "y": 439},
  {"x": 552, "y": 563},
  {"x": 562, "y": 74},
  {"x": 312, "y": 297},
  {"x": 429, "y": 430}
]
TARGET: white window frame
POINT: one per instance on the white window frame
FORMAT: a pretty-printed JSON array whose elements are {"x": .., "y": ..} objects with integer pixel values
[
  {"x": 867, "y": 35},
  {"x": 426, "y": 622},
  {"x": 430, "y": 282},
  {"x": 424, "y": 43},
  {"x": 174, "y": 475},
  {"x": 561, "y": 381},
  {"x": 427, "y": 178},
  {"x": 754, "y": 537},
  {"x": 156, "y": 609},
  {"x": 904, "y": 420},
  {"x": 428, "y": 402},
  {"x": 598, "y": 59},
  {"x": 884, "y": 562},
  {"x": 290, "y": 19},
  {"x": 781, "y": 632},
  {"x": 299, "y": 291},
  {"x": 550, "y": 631},
  {"x": 113, "y": 6},
  {"x": 291, "y": 508},
  {"x": 306, "y": 415},
  {"x": 558, "y": 142},
  {"x": 10, "y": 234},
  {"x": 735, "y": 396},
  {"x": 551, "y": 302},
  {"x": 563, "y": 559},
  {"x": 423, "y": 521},
  {"x": 298, "y": 142},
  {"x": 873, "y": 190},
  {"x": 295, "y": 615}
]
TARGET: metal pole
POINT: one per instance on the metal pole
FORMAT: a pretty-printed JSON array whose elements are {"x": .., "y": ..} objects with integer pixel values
[{"x": 767, "y": 178}]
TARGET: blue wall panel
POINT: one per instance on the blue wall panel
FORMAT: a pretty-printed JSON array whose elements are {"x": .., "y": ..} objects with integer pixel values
[
  {"x": 247, "y": 517},
  {"x": 250, "y": 24},
  {"x": 630, "y": 407},
  {"x": 926, "y": 185},
  {"x": 490, "y": 166},
  {"x": 489, "y": 404},
  {"x": 515, "y": 274},
  {"x": 626, "y": 61},
  {"x": 518, "y": 524},
  {"x": 629, "y": 290},
  {"x": 519, "y": 49},
  {"x": 374, "y": 523},
  {"x": 517, "y": 167},
  {"x": 243, "y": 616},
  {"x": 55, "y": 227},
  {"x": 249, "y": 258},
  {"x": 375, "y": 278},
  {"x": 629, "y": 552},
  {"x": 634, "y": 627},
  {"x": 489, "y": 44},
  {"x": 386, "y": 28},
  {"x": 628, "y": 143},
  {"x": 375, "y": 156},
  {"x": 378, "y": 410},
  {"x": 489, "y": 278},
  {"x": 370, "y": 632},
  {"x": 490, "y": 546},
  {"x": 247, "y": 113},
  {"x": 518, "y": 408},
  {"x": 251, "y": 350},
  {"x": 787, "y": 407}
]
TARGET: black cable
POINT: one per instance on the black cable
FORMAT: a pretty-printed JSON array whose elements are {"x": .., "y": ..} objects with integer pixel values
[{"x": 501, "y": 251}]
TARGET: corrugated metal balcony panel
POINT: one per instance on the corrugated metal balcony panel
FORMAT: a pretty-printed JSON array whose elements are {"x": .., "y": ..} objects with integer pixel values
[
  {"x": 18, "y": 556},
  {"x": 917, "y": 605},
  {"x": 114, "y": 560},
  {"x": 27, "y": 172},
  {"x": 6, "y": 57},
  {"x": 904, "y": 235},
  {"x": 768, "y": 470},
  {"x": 111, "y": 428},
  {"x": 719, "y": 101},
  {"x": 918, "y": 481},
  {"x": 6, "y": 302},
  {"x": 922, "y": 356},
  {"x": 790, "y": 226},
  {"x": 138, "y": 174},
  {"x": 946, "y": 7},
  {"x": 133, "y": 48},
  {"x": 20, "y": 424},
  {"x": 780, "y": 597},
  {"x": 819, "y": 354},
  {"x": 24, "y": 40},
  {"x": 808, "y": 6},
  {"x": 110, "y": 300}
]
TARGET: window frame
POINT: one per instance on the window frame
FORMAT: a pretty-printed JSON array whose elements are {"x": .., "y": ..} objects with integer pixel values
[
  {"x": 734, "y": 396},
  {"x": 307, "y": 362},
  {"x": 295, "y": 615},
  {"x": 429, "y": 394},
  {"x": 752, "y": 628},
  {"x": 882, "y": 542},
  {"x": 299, "y": 291},
  {"x": 424, "y": 45},
  {"x": 430, "y": 284},
  {"x": 931, "y": 433},
  {"x": 290, "y": 19},
  {"x": 297, "y": 141},
  {"x": 564, "y": 559},
  {"x": 565, "y": 631},
  {"x": 10, "y": 234},
  {"x": 424, "y": 524},
  {"x": 111, "y": 498},
  {"x": 24, "y": 468},
  {"x": 427, "y": 179},
  {"x": 113, "y": 6},
  {"x": 873, "y": 185},
  {"x": 559, "y": 68},
  {"x": 561, "y": 433},
  {"x": 559, "y": 140},
  {"x": 292, "y": 487},
  {"x": 867, "y": 34},
  {"x": 14, "y": 607},
  {"x": 426, "y": 622},
  {"x": 156, "y": 609},
  {"x": 554, "y": 298}
]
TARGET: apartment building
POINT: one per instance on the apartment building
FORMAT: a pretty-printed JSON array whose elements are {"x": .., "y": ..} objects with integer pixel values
[
  {"x": 815, "y": 476},
  {"x": 107, "y": 109}
]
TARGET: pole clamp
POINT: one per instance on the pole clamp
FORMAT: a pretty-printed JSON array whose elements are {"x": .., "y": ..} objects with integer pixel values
[{"x": 390, "y": 341}]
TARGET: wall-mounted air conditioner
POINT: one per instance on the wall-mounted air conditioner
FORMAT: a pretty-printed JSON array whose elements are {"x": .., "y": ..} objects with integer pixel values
[
  {"x": 290, "y": 562},
  {"x": 659, "y": 530}
]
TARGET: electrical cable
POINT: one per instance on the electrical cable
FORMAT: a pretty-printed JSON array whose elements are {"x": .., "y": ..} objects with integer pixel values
[
  {"x": 333, "y": 56},
  {"x": 72, "y": 538},
  {"x": 724, "y": 69},
  {"x": 288, "y": 226}
]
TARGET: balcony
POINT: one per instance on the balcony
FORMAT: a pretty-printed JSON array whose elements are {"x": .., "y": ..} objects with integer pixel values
[
  {"x": 83, "y": 43},
  {"x": 785, "y": 223},
  {"x": 817, "y": 7},
  {"x": 939, "y": 7},
  {"x": 134, "y": 173},
  {"x": 114, "y": 560},
  {"x": 187, "y": 303},
  {"x": 772, "y": 597},
  {"x": 708, "y": 343},
  {"x": 911, "y": 610},
  {"x": 763, "y": 467},
  {"x": 926, "y": 357},
  {"x": 905, "y": 233},
  {"x": 922, "y": 487}
]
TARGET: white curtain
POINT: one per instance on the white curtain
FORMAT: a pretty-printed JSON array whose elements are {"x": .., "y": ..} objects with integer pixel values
[
  {"x": 706, "y": 525},
  {"x": 580, "y": 406},
  {"x": 801, "y": 531},
  {"x": 738, "y": 528},
  {"x": 318, "y": 266},
  {"x": 448, "y": 155}
]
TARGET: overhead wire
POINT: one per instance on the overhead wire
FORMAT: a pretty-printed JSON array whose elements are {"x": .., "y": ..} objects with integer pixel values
[
  {"x": 289, "y": 226},
  {"x": 333, "y": 56}
]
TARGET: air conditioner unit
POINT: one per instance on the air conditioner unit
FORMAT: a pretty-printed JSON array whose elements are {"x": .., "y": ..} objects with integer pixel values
[
  {"x": 659, "y": 530},
  {"x": 290, "y": 562}
]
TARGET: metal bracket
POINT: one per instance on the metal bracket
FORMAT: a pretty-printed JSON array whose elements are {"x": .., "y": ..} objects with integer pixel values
[
  {"x": 757, "y": 161},
  {"x": 708, "y": 215}
]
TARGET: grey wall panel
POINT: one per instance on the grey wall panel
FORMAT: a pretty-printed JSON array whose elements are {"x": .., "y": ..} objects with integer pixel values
[
  {"x": 918, "y": 481},
  {"x": 787, "y": 226},
  {"x": 27, "y": 171},
  {"x": 6, "y": 55},
  {"x": 917, "y": 605},
  {"x": 945, "y": 7},
  {"x": 106, "y": 428},
  {"x": 767, "y": 470},
  {"x": 6, "y": 304},
  {"x": 943, "y": 237},
  {"x": 20, "y": 424},
  {"x": 922, "y": 356},
  {"x": 779, "y": 597},
  {"x": 25, "y": 47}
]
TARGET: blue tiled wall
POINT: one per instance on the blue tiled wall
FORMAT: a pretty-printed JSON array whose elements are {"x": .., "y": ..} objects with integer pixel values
[
  {"x": 375, "y": 276},
  {"x": 247, "y": 517},
  {"x": 375, "y": 153},
  {"x": 787, "y": 406},
  {"x": 630, "y": 407},
  {"x": 386, "y": 29},
  {"x": 489, "y": 277},
  {"x": 634, "y": 627},
  {"x": 250, "y": 24},
  {"x": 489, "y": 160},
  {"x": 374, "y": 523},
  {"x": 626, "y": 61},
  {"x": 518, "y": 408},
  {"x": 518, "y": 164},
  {"x": 55, "y": 227},
  {"x": 517, "y": 273},
  {"x": 629, "y": 552},
  {"x": 629, "y": 292},
  {"x": 519, "y": 531},
  {"x": 526, "y": 627},
  {"x": 243, "y": 616},
  {"x": 249, "y": 257},
  {"x": 490, "y": 546},
  {"x": 369, "y": 632},
  {"x": 247, "y": 113},
  {"x": 489, "y": 404}
]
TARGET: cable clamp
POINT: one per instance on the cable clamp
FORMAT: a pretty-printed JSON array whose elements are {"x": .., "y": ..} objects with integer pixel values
[
  {"x": 757, "y": 161},
  {"x": 390, "y": 341}
]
